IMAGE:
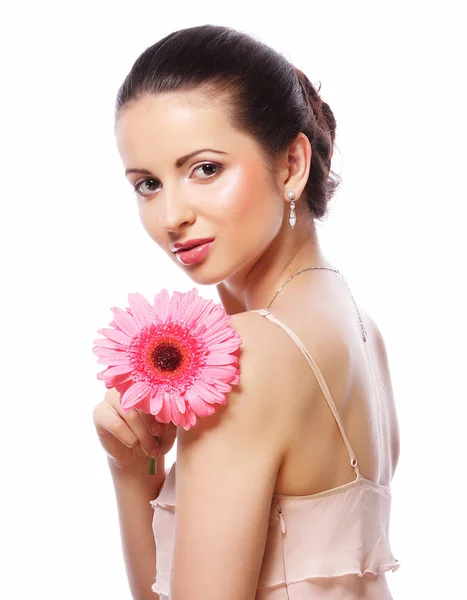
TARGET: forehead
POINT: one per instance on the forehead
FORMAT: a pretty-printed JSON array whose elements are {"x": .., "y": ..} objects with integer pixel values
[{"x": 174, "y": 123}]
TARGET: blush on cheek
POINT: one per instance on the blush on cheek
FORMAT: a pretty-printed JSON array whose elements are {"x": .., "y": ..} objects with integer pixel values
[{"x": 242, "y": 192}]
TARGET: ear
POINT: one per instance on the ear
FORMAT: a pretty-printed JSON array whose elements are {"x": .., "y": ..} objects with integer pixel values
[{"x": 296, "y": 166}]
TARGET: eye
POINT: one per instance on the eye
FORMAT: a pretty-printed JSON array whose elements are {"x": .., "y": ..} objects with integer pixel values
[
  {"x": 207, "y": 170},
  {"x": 137, "y": 186}
]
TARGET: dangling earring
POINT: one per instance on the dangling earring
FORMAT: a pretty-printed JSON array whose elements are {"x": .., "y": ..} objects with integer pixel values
[{"x": 292, "y": 215}]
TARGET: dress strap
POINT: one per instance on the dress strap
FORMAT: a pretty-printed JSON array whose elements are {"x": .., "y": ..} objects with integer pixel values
[{"x": 322, "y": 383}]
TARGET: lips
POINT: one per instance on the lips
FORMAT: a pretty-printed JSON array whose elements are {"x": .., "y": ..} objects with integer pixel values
[
  {"x": 190, "y": 244},
  {"x": 195, "y": 255}
]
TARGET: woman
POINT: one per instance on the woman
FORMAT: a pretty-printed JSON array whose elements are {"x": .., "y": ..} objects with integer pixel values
[{"x": 284, "y": 492}]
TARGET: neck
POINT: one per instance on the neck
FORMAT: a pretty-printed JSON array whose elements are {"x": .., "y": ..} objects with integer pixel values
[{"x": 254, "y": 286}]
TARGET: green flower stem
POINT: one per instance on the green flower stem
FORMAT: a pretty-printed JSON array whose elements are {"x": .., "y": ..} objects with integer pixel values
[
  {"x": 152, "y": 467},
  {"x": 152, "y": 464}
]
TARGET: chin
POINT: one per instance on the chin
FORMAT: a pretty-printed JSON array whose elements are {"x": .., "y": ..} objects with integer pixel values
[
  {"x": 206, "y": 275},
  {"x": 200, "y": 274}
]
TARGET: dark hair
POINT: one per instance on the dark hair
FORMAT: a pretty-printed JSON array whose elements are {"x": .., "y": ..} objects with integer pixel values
[{"x": 271, "y": 99}]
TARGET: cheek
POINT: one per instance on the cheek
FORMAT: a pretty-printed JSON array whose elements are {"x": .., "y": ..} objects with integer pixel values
[
  {"x": 244, "y": 193},
  {"x": 148, "y": 221}
]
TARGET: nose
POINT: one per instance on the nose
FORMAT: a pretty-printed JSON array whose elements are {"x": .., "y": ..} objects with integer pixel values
[{"x": 176, "y": 212}]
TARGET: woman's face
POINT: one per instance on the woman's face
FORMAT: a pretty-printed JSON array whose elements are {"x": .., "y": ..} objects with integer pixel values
[{"x": 198, "y": 178}]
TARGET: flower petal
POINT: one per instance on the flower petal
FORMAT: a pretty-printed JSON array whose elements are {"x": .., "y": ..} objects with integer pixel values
[
  {"x": 157, "y": 399},
  {"x": 175, "y": 304},
  {"x": 134, "y": 395},
  {"x": 102, "y": 375},
  {"x": 187, "y": 304},
  {"x": 216, "y": 335},
  {"x": 229, "y": 345},
  {"x": 142, "y": 309},
  {"x": 199, "y": 406},
  {"x": 114, "y": 360},
  {"x": 216, "y": 317},
  {"x": 145, "y": 404},
  {"x": 198, "y": 311},
  {"x": 110, "y": 352},
  {"x": 108, "y": 343},
  {"x": 205, "y": 378},
  {"x": 223, "y": 373},
  {"x": 116, "y": 335},
  {"x": 178, "y": 418},
  {"x": 204, "y": 309},
  {"x": 208, "y": 393},
  {"x": 125, "y": 321},
  {"x": 189, "y": 418},
  {"x": 161, "y": 304},
  {"x": 118, "y": 370},
  {"x": 179, "y": 401},
  {"x": 223, "y": 385},
  {"x": 122, "y": 378},
  {"x": 165, "y": 413},
  {"x": 225, "y": 388},
  {"x": 122, "y": 387},
  {"x": 114, "y": 380},
  {"x": 220, "y": 359},
  {"x": 102, "y": 350}
]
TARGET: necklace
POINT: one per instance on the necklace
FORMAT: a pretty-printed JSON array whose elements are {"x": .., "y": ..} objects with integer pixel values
[{"x": 365, "y": 335}]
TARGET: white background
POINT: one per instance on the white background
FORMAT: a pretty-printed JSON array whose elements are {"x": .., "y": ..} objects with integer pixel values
[{"x": 72, "y": 246}]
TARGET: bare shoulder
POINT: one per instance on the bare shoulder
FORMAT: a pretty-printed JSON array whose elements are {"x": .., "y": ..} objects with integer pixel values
[
  {"x": 264, "y": 364},
  {"x": 378, "y": 350},
  {"x": 376, "y": 337},
  {"x": 256, "y": 332},
  {"x": 254, "y": 406},
  {"x": 271, "y": 365},
  {"x": 382, "y": 364}
]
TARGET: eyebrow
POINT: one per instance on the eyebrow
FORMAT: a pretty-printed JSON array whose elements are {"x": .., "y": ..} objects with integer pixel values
[{"x": 179, "y": 162}]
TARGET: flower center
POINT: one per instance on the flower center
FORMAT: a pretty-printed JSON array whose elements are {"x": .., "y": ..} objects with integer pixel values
[{"x": 166, "y": 357}]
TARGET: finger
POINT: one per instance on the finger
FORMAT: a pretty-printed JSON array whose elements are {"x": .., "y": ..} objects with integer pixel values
[
  {"x": 135, "y": 422},
  {"x": 107, "y": 419},
  {"x": 112, "y": 397},
  {"x": 153, "y": 426},
  {"x": 166, "y": 432},
  {"x": 167, "y": 440}
]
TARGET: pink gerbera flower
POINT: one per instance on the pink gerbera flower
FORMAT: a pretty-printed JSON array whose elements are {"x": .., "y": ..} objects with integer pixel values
[{"x": 175, "y": 359}]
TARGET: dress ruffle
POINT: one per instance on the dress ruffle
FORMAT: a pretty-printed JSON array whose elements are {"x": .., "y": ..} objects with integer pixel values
[
  {"x": 163, "y": 528},
  {"x": 309, "y": 537},
  {"x": 330, "y": 535}
]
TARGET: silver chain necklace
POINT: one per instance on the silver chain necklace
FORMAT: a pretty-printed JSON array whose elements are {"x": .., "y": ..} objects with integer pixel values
[{"x": 328, "y": 269}]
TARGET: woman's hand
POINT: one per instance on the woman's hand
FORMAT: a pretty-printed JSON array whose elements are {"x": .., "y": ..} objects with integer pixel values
[{"x": 128, "y": 437}]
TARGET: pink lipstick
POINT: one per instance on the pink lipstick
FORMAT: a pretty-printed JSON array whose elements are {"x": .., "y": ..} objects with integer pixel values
[{"x": 194, "y": 255}]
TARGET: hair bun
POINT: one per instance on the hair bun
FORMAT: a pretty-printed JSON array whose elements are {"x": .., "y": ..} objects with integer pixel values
[
  {"x": 321, "y": 110},
  {"x": 311, "y": 94}
]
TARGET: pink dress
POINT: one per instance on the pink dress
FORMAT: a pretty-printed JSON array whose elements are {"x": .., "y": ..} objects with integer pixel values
[{"x": 332, "y": 545}]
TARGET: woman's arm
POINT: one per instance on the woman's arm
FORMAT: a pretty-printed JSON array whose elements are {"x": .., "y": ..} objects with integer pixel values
[
  {"x": 227, "y": 467},
  {"x": 133, "y": 493}
]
